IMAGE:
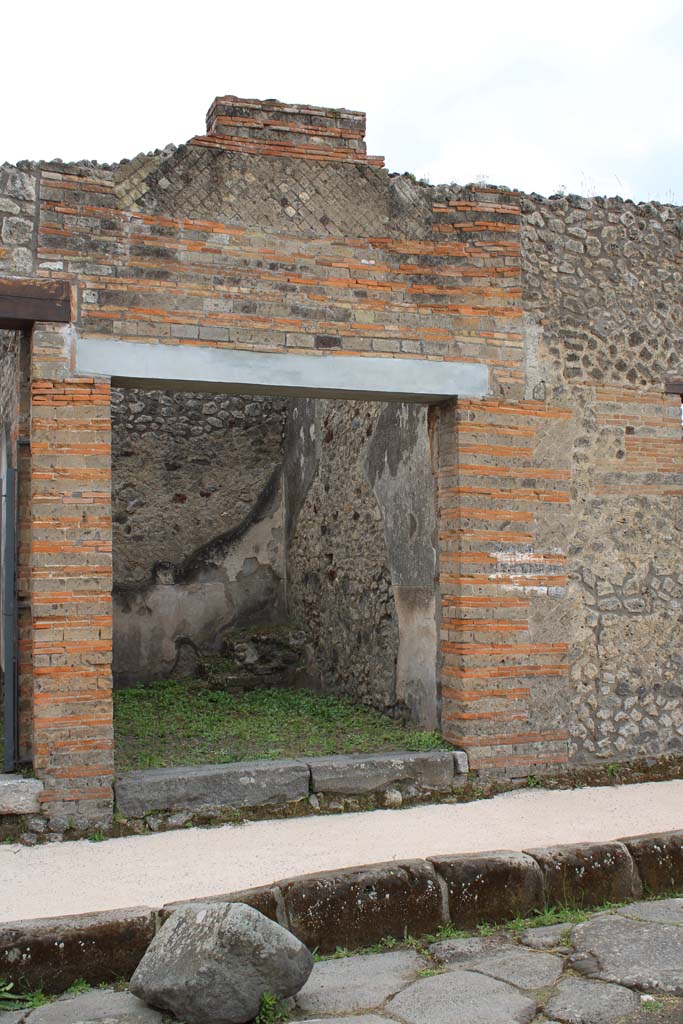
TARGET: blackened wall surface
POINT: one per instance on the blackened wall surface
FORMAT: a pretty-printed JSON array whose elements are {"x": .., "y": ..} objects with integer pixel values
[{"x": 361, "y": 555}]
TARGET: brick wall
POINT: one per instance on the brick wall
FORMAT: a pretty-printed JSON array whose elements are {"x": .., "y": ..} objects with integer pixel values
[
  {"x": 70, "y": 582},
  {"x": 559, "y": 494}
]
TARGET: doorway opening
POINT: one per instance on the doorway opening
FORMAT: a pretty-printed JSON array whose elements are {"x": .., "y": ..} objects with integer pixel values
[{"x": 274, "y": 577}]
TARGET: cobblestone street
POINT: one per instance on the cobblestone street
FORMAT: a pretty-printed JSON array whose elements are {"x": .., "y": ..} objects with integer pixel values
[{"x": 620, "y": 967}]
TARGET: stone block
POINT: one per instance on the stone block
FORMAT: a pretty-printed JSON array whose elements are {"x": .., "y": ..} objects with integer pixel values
[
  {"x": 588, "y": 874},
  {"x": 495, "y": 886},
  {"x": 659, "y": 860},
  {"x": 358, "y": 906},
  {"x": 352, "y": 774},
  {"x": 53, "y": 952},
  {"x": 244, "y": 784},
  {"x": 265, "y": 899},
  {"x": 19, "y": 795},
  {"x": 462, "y": 762}
]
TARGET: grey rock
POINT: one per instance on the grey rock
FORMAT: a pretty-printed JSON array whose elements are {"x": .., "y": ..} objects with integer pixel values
[
  {"x": 21, "y": 260},
  {"x": 548, "y": 937},
  {"x": 17, "y": 230},
  {"x": 244, "y": 784},
  {"x": 19, "y": 795},
  {"x": 523, "y": 968},
  {"x": 576, "y": 1001},
  {"x": 36, "y": 824},
  {"x": 212, "y": 962},
  {"x": 659, "y": 911},
  {"x": 639, "y": 954},
  {"x": 358, "y": 982},
  {"x": 179, "y": 819},
  {"x": 461, "y": 997},
  {"x": 462, "y": 762},
  {"x": 392, "y": 798},
  {"x": 14, "y": 1017},
  {"x": 106, "y": 1006},
  {"x": 349, "y": 774},
  {"x": 20, "y": 185}
]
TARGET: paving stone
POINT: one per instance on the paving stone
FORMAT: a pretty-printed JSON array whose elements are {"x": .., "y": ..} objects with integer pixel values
[
  {"x": 523, "y": 968},
  {"x": 372, "y": 1019},
  {"x": 463, "y": 951},
  {"x": 639, "y": 954},
  {"x": 591, "y": 1002},
  {"x": 461, "y": 997},
  {"x": 659, "y": 911},
  {"x": 358, "y": 982},
  {"x": 14, "y": 1017},
  {"x": 96, "y": 1005},
  {"x": 549, "y": 937}
]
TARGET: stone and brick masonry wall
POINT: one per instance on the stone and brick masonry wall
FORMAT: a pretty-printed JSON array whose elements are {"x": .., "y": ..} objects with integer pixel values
[
  {"x": 602, "y": 297},
  {"x": 559, "y": 494}
]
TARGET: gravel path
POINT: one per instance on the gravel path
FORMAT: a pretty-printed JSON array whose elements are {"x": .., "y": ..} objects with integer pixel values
[{"x": 73, "y": 878}]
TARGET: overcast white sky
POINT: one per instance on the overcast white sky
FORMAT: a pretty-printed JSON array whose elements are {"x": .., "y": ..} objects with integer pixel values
[{"x": 584, "y": 96}]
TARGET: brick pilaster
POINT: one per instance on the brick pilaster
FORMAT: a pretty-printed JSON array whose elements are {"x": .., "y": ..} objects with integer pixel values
[
  {"x": 503, "y": 487},
  {"x": 70, "y": 581}
]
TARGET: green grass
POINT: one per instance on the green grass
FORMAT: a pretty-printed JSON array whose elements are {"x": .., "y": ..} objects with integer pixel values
[
  {"x": 182, "y": 722},
  {"x": 9, "y": 1000}
]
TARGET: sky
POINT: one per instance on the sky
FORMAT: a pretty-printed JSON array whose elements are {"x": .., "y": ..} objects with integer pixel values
[{"x": 580, "y": 97}]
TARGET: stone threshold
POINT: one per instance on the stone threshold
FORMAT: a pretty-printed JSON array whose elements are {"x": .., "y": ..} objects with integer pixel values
[
  {"x": 356, "y": 907},
  {"x": 294, "y": 784}
]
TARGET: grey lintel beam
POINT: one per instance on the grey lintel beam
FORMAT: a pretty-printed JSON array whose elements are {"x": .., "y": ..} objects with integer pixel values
[
  {"x": 180, "y": 368},
  {"x": 24, "y": 301}
]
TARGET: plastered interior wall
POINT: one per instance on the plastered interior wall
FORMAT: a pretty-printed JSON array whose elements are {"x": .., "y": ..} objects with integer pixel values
[
  {"x": 361, "y": 551},
  {"x": 559, "y": 494},
  {"x": 198, "y": 542}
]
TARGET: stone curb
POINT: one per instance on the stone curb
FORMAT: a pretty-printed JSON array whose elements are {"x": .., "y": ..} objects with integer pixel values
[
  {"x": 356, "y": 907},
  {"x": 277, "y": 784}
]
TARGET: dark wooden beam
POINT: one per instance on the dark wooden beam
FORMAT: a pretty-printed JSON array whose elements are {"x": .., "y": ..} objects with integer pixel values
[
  {"x": 673, "y": 387},
  {"x": 24, "y": 301}
]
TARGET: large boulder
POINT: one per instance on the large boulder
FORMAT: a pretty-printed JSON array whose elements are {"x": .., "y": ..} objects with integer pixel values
[{"x": 210, "y": 963}]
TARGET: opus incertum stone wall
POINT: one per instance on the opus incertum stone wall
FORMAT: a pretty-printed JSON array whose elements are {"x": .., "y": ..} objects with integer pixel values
[{"x": 559, "y": 490}]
